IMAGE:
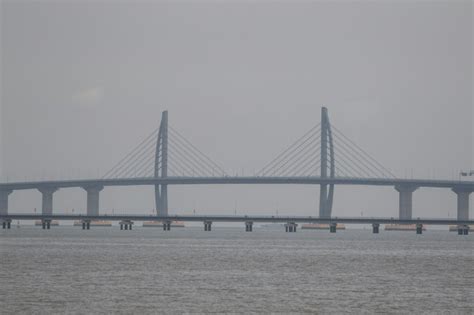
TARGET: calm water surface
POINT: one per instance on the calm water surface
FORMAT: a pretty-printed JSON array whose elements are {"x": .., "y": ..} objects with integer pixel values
[{"x": 147, "y": 270}]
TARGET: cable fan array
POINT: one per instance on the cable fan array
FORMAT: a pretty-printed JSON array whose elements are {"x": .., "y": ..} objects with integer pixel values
[
  {"x": 139, "y": 162},
  {"x": 354, "y": 162},
  {"x": 299, "y": 159},
  {"x": 184, "y": 159},
  {"x": 303, "y": 158}
]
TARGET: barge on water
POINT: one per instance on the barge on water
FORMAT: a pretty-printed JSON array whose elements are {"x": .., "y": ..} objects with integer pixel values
[
  {"x": 321, "y": 226},
  {"x": 100, "y": 223},
  {"x": 402, "y": 227},
  {"x": 179, "y": 224}
]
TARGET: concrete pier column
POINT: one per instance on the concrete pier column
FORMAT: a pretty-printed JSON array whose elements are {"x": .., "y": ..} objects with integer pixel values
[
  {"x": 207, "y": 225},
  {"x": 93, "y": 199},
  {"x": 86, "y": 224},
  {"x": 47, "y": 200},
  {"x": 405, "y": 200},
  {"x": 419, "y": 228},
  {"x": 375, "y": 228},
  {"x": 463, "y": 229},
  {"x": 463, "y": 202},
  {"x": 46, "y": 224},
  {"x": 248, "y": 226},
  {"x": 6, "y": 223},
  {"x": 290, "y": 227},
  {"x": 333, "y": 227},
  {"x": 126, "y": 224},
  {"x": 4, "y": 201},
  {"x": 166, "y": 225}
]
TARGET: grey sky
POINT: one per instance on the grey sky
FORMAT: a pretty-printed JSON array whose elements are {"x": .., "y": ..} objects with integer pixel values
[{"x": 84, "y": 81}]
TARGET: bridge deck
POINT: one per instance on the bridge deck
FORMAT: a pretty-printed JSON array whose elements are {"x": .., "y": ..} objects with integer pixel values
[
  {"x": 220, "y": 218},
  {"x": 306, "y": 180}
]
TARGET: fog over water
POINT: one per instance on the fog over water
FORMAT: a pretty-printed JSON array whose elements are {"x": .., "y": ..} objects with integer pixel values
[{"x": 82, "y": 82}]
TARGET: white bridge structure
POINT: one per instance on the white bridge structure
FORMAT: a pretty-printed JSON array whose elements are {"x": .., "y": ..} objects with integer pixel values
[{"x": 323, "y": 156}]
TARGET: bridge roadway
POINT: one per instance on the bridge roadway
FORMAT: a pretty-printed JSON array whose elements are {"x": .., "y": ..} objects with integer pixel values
[
  {"x": 310, "y": 180},
  {"x": 236, "y": 218}
]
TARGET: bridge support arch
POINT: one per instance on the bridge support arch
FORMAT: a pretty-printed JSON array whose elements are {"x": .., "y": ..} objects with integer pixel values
[
  {"x": 93, "y": 199},
  {"x": 405, "y": 201},
  {"x": 4, "y": 201},
  {"x": 326, "y": 193},
  {"x": 462, "y": 202},
  {"x": 47, "y": 199},
  {"x": 161, "y": 166}
]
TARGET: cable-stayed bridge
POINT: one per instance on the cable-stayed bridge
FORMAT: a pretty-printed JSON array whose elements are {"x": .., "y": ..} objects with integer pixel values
[{"x": 323, "y": 156}]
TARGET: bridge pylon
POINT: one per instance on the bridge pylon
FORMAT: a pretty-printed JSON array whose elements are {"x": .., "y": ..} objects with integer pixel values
[
  {"x": 161, "y": 166},
  {"x": 326, "y": 195}
]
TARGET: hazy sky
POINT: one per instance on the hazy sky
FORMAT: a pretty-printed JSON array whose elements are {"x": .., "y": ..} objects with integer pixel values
[{"x": 84, "y": 81}]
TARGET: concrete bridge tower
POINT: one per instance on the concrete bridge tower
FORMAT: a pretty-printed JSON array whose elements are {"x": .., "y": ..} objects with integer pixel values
[
  {"x": 326, "y": 196},
  {"x": 161, "y": 166}
]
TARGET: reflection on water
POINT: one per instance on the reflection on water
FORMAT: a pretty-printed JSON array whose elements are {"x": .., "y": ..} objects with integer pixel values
[{"x": 145, "y": 270}]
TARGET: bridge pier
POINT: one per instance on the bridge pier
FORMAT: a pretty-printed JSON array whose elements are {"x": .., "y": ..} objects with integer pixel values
[
  {"x": 46, "y": 224},
  {"x": 86, "y": 224},
  {"x": 248, "y": 226},
  {"x": 166, "y": 225},
  {"x": 333, "y": 227},
  {"x": 93, "y": 199},
  {"x": 405, "y": 203},
  {"x": 463, "y": 229},
  {"x": 290, "y": 227},
  {"x": 207, "y": 225},
  {"x": 126, "y": 224},
  {"x": 4, "y": 201},
  {"x": 6, "y": 223},
  {"x": 419, "y": 228},
  {"x": 47, "y": 200},
  {"x": 375, "y": 228},
  {"x": 462, "y": 202}
]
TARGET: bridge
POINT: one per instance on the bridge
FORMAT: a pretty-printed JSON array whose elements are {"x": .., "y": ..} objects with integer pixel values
[{"x": 323, "y": 156}]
